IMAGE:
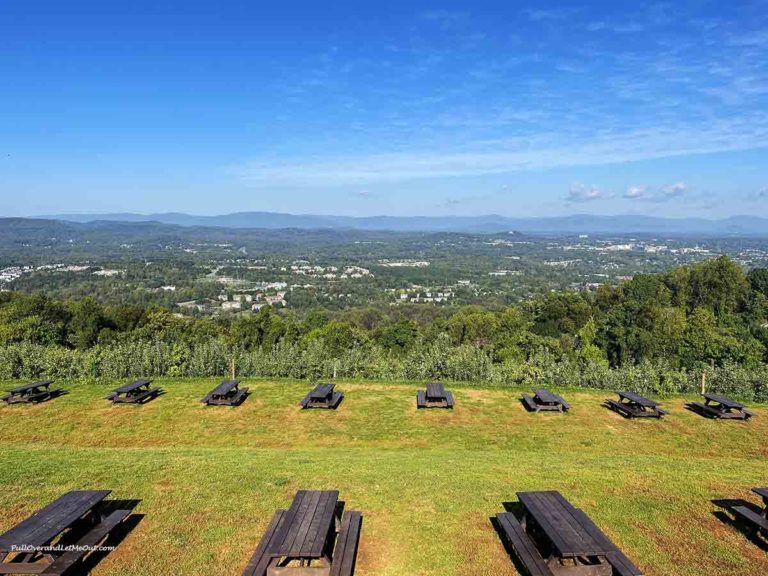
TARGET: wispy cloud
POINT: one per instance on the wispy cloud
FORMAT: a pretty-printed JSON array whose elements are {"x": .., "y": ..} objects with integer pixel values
[
  {"x": 512, "y": 155},
  {"x": 635, "y": 192},
  {"x": 363, "y": 194},
  {"x": 539, "y": 15}
]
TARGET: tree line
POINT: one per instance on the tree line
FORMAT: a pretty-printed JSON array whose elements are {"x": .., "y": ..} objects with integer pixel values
[{"x": 707, "y": 314}]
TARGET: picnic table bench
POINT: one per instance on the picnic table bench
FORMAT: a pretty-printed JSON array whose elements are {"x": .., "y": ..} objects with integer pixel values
[
  {"x": 435, "y": 396},
  {"x": 716, "y": 406},
  {"x": 81, "y": 517},
  {"x": 310, "y": 538},
  {"x": 632, "y": 405},
  {"x": 757, "y": 521},
  {"x": 228, "y": 393},
  {"x": 554, "y": 538},
  {"x": 322, "y": 396},
  {"x": 544, "y": 400},
  {"x": 34, "y": 392},
  {"x": 137, "y": 392}
]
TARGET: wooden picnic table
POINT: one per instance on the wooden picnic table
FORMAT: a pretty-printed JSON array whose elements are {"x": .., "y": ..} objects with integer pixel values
[
  {"x": 307, "y": 527},
  {"x": 554, "y": 538},
  {"x": 763, "y": 493},
  {"x": 136, "y": 392},
  {"x": 757, "y": 521},
  {"x": 34, "y": 392},
  {"x": 435, "y": 396},
  {"x": 322, "y": 396},
  {"x": 632, "y": 405},
  {"x": 717, "y": 406},
  {"x": 309, "y": 539},
  {"x": 554, "y": 515},
  {"x": 24, "y": 549},
  {"x": 228, "y": 393},
  {"x": 544, "y": 400}
]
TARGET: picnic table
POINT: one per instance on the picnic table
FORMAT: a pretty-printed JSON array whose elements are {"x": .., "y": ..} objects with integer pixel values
[
  {"x": 544, "y": 400},
  {"x": 34, "y": 392},
  {"x": 435, "y": 396},
  {"x": 554, "y": 538},
  {"x": 322, "y": 396},
  {"x": 228, "y": 393},
  {"x": 80, "y": 516},
  {"x": 716, "y": 406},
  {"x": 632, "y": 405},
  {"x": 310, "y": 538},
  {"x": 137, "y": 392},
  {"x": 755, "y": 520}
]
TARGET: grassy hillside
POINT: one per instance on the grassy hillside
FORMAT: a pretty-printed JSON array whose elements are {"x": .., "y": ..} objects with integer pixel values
[{"x": 210, "y": 478}]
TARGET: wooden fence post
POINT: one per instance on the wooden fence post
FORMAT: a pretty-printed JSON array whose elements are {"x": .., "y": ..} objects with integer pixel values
[{"x": 703, "y": 381}]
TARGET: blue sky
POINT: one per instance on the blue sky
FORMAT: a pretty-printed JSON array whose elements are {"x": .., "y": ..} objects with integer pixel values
[{"x": 384, "y": 108}]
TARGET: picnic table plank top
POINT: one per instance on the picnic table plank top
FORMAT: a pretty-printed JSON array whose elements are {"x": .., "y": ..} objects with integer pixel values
[
  {"x": 26, "y": 387},
  {"x": 306, "y": 525},
  {"x": 727, "y": 402},
  {"x": 637, "y": 399},
  {"x": 322, "y": 391},
  {"x": 546, "y": 396},
  {"x": 50, "y": 521},
  {"x": 763, "y": 492},
  {"x": 556, "y": 517},
  {"x": 224, "y": 388},
  {"x": 435, "y": 390},
  {"x": 133, "y": 386}
]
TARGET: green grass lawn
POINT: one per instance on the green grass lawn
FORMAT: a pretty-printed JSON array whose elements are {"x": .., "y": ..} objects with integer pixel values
[{"x": 427, "y": 482}]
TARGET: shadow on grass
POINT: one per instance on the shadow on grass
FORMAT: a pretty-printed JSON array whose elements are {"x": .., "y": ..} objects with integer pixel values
[
  {"x": 608, "y": 406},
  {"x": 519, "y": 566},
  {"x": 750, "y": 532},
  {"x": 695, "y": 408},
  {"x": 115, "y": 537}
]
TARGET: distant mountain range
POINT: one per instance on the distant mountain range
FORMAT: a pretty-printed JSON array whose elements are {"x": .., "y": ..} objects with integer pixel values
[{"x": 575, "y": 224}]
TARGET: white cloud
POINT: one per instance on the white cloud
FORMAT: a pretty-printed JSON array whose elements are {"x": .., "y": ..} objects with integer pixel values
[
  {"x": 674, "y": 190},
  {"x": 582, "y": 193},
  {"x": 658, "y": 195}
]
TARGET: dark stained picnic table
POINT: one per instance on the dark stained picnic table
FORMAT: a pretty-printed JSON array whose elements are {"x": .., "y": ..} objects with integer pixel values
[
  {"x": 763, "y": 493},
  {"x": 80, "y": 517},
  {"x": 632, "y": 405},
  {"x": 36, "y": 391},
  {"x": 134, "y": 392},
  {"x": 544, "y": 400},
  {"x": 310, "y": 538},
  {"x": 227, "y": 393},
  {"x": 545, "y": 396},
  {"x": 637, "y": 399},
  {"x": 723, "y": 401},
  {"x": 435, "y": 390},
  {"x": 717, "y": 406},
  {"x": 563, "y": 527},
  {"x": 133, "y": 386},
  {"x": 224, "y": 388},
  {"x": 321, "y": 391},
  {"x": 48, "y": 522},
  {"x": 435, "y": 396},
  {"x": 322, "y": 396},
  {"x": 305, "y": 533}
]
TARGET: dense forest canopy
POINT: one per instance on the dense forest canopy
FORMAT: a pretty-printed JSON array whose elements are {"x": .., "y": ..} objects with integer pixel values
[{"x": 707, "y": 314}]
